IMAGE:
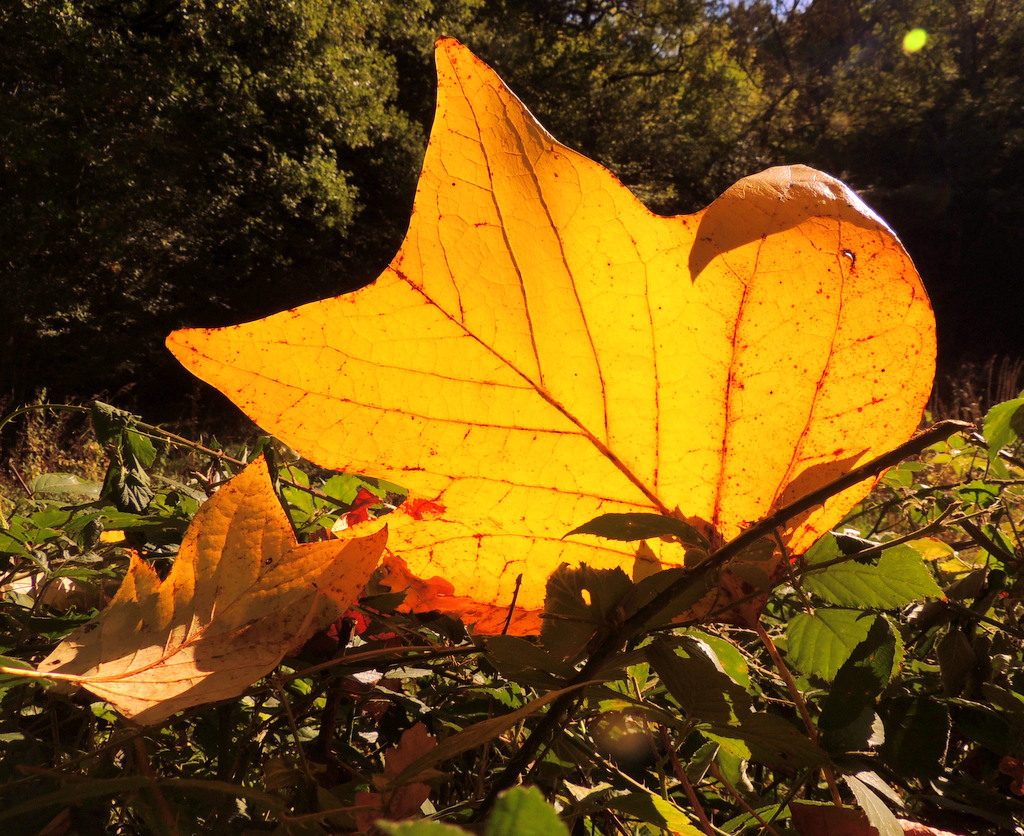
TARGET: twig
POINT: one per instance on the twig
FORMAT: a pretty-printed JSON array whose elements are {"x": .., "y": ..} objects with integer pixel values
[
  {"x": 159, "y": 799},
  {"x": 512, "y": 606},
  {"x": 287, "y": 705},
  {"x": 729, "y": 788},
  {"x": 21, "y": 481},
  {"x": 801, "y": 705},
  {"x": 881, "y": 547},
  {"x": 684, "y": 780},
  {"x": 987, "y": 543}
]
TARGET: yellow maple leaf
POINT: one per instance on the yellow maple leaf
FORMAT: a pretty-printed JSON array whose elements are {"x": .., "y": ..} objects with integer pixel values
[
  {"x": 543, "y": 350},
  {"x": 240, "y": 595}
]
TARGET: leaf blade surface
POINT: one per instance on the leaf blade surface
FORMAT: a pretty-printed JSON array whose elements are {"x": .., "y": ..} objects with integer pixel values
[{"x": 544, "y": 350}]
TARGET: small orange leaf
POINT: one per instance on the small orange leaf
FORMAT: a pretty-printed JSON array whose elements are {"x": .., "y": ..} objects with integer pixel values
[
  {"x": 402, "y": 801},
  {"x": 240, "y": 595},
  {"x": 544, "y": 350}
]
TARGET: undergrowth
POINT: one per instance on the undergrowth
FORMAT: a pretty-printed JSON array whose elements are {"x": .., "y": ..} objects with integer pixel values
[{"x": 862, "y": 684}]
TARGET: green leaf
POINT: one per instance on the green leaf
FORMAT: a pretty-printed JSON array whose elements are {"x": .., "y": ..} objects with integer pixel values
[
  {"x": 64, "y": 483},
  {"x": 522, "y": 811},
  {"x": 956, "y": 661},
  {"x": 698, "y": 585},
  {"x": 344, "y": 487},
  {"x": 1004, "y": 424},
  {"x": 11, "y": 545},
  {"x": 525, "y": 663},
  {"x": 10, "y": 680},
  {"x": 728, "y": 655},
  {"x": 655, "y": 810},
  {"x": 706, "y": 694},
  {"x": 916, "y": 736},
  {"x": 879, "y": 815},
  {"x": 420, "y": 828},
  {"x": 847, "y": 716},
  {"x": 900, "y": 577},
  {"x": 476, "y": 735},
  {"x": 642, "y": 527},
  {"x": 578, "y": 603},
  {"x": 127, "y": 487},
  {"x": 126, "y": 482},
  {"x": 108, "y": 422},
  {"x": 820, "y": 643},
  {"x": 139, "y": 447},
  {"x": 770, "y": 739},
  {"x": 984, "y": 725}
]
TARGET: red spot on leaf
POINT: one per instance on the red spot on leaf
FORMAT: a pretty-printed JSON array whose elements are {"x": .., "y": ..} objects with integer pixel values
[{"x": 420, "y": 509}]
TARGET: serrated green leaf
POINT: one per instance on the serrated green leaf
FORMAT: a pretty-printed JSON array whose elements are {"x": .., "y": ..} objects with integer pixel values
[
  {"x": 916, "y": 736},
  {"x": 127, "y": 487},
  {"x": 900, "y": 577},
  {"x": 871, "y": 666},
  {"x": 525, "y": 663},
  {"x": 1004, "y": 424},
  {"x": 644, "y": 591},
  {"x": 847, "y": 717},
  {"x": 522, "y": 811},
  {"x": 139, "y": 447},
  {"x": 578, "y": 602},
  {"x": 769, "y": 739},
  {"x": 729, "y": 656},
  {"x": 819, "y": 643},
  {"x": 879, "y": 815},
  {"x": 706, "y": 694},
  {"x": 655, "y": 810},
  {"x": 108, "y": 422}
]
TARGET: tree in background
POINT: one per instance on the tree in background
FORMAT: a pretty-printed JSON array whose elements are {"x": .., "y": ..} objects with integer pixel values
[
  {"x": 649, "y": 89},
  {"x": 171, "y": 161},
  {"x": 189, "y": 162},
  {"x": 930, "y": 129}
]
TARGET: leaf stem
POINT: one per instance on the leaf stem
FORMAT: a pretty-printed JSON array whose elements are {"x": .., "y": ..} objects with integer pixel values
[
  {"x": 684, "y": 780},
  {"x": 170, "y": 827},
  {"x": 766, "y": 826},
  {"x": 801, "y": 705}
]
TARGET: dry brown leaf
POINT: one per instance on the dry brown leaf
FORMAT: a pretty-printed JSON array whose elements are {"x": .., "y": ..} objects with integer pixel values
[
  {"x": 240, "y": 595},
  {"x": 402, "y": 801}
]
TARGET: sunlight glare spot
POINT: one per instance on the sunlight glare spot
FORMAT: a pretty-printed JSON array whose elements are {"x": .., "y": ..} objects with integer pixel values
[{"x": 914, "y": 41}]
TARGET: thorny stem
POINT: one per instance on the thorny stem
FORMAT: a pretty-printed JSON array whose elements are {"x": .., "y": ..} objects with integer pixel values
[
  {"x": 684, "y": 780},
  {"x": 801, "y": 705},
  {"x": 868, "y": 553},
  {"x": 987, "y": 543},
  {"x": 637, "y": 622},
  {"x": 766, "y": 826},
  {"x": 282, "y": 696}
]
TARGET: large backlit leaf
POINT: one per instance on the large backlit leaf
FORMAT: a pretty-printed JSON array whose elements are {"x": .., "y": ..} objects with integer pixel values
[
  {"x": 544, "y": 350},
  {"x": 240, "y": 595}
]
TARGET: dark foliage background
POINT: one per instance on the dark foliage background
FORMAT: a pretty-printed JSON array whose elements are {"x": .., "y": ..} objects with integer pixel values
[{"x": 188, "y": 162}]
